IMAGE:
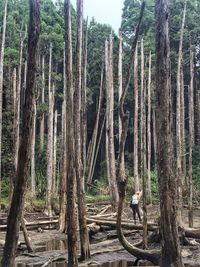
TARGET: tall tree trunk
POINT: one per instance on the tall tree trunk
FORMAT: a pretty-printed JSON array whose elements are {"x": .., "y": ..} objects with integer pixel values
[
  {"x": 84, "y": 99},
  {"x": 142, "y": 103},
  {"x": 43, "y": 101},
  {"x": 33, "y": 183},
  {"x": 14, "y": 127},
  {"x": 183, "y": 129},
  {"x": 178, "y": 122},
  {"x": 197, "y": 116},
  {"x": 18, "y": 104},
  {"x": 55, "y": 152},
  {"x": 191, "y": 137},
  {"x": 110, "y": 111},
  {"x": 154, "y": 137},
  {"x": 91, "y": 151},
  {"x": 120, "y": 81},
  {"x": 143, "y": 146},
  {"x": 22, "y": 173},
  {"x": 171, "y": 255},
  {"x": 149, "y": 196},
  {"x": 24, "y": 84},
  {"x": 135, "y": 126},
  {"x": 50, "y": 138},
  {"x": 71, "y": 178},
  {"x": 1, "y": 78},
  {"x": 63, "y": 175},
  {"x": 84, "y": 238}
]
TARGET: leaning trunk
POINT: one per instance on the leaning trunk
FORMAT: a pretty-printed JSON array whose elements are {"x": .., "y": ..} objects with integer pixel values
[
  {"x": 1, "y": 79},
  {"x": 191, "y": 138}
]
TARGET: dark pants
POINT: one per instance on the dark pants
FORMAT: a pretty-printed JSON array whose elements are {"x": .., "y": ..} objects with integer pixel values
[{"x": 135, "y": 209}]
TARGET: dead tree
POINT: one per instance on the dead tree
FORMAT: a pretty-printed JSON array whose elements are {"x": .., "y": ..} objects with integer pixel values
[
  {"x": 43, "y": 101},
  {"x": 135, "y": 127},
  {"x": 33, "y": 183},
  {"x": 1, "y": 78},
  {"x": 171, "y": 255},
  {"x": 55, "y": 152},
  {"x": 22, "y": 173},
  {"x": 62, "y": 196},
  {"x": 84, "y": 97},
  {"x": 110, "y": 150},
  {"x": 120, "y": 80},
  {"x": 70, "y": 153},
  {"x": 178, "y": 121},
  {"x": 50, "y": 137},
  {"x": 84, "y": 238},
  {"x": 191, "y": 138},
  {"x": 149, "y": 196},
  {"x": 91, "y": 151}
]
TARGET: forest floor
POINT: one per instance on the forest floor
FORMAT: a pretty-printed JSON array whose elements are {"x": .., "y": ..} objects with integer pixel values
[{"x": 106, "y": 251}]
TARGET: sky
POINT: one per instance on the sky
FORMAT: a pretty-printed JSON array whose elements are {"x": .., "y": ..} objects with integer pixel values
[{"x": 104, "y": 11}]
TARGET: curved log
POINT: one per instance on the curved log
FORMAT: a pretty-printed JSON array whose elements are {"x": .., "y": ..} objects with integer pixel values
[{"x": 150, "y": 255}]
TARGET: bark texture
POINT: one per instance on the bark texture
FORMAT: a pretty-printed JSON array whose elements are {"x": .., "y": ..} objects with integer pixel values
[
  {"x": 22, "y": 173},
  {"x": 70, "y": 174},
  {"x": 84, "y": 238},
  {"x": 167, "y": 188}
]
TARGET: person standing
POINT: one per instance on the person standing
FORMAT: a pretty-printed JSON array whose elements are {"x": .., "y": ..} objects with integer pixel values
[{"x": 135, "y": 205}]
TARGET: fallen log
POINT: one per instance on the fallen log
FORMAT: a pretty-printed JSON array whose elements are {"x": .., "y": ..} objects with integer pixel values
[
  {"x": 34, "y": 225},
  {"x": 192, "y": 232},
  {"x": 130, "y": 226}
]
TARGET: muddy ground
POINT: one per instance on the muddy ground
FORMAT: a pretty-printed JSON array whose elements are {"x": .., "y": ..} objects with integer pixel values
[{"x": 106, "y": 251}]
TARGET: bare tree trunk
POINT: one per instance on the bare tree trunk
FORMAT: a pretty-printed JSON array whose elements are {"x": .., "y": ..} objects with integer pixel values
[
  {"x": 26, "y": 236},
  {"x": 92, "y": 149},
  {"x": 55, "y": 152},
  {"x": 154, "y": 138},
  {"x": 22, "y": 173},
  {"x": 84, "y": 238},
  {"x": 43, "y": 101},
  {"x": 63, "y": 175},
  {"x": 120, "y": 82},
  {"x": 110, "y": 125},
  {"x": 24, "y": 84},
  {"x": 135, "y": 126},
  {"x": 142, "y": 103},
  {"x": 84, "y": 99},
  {"x": 1, "y": 78},
  {"x": 33, "y": 184},
  {"x": 178, "y": 122},
  {"x": 50, "y": 138},
  {"x": 191, "y": 137},
  {"x": 183, "y": 129},
  {"x": 171, "y": 255},
  {"x": 98, "y": 145},
  {"x": 71, "y": 178},
  {"x": 197, "y": 117},
  {"x": 149, "y": 196},
  {"x": 14, "y": 127}
]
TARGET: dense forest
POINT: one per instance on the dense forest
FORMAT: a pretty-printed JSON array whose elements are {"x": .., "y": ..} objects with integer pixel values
[{"x": 88, "y": 115}]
